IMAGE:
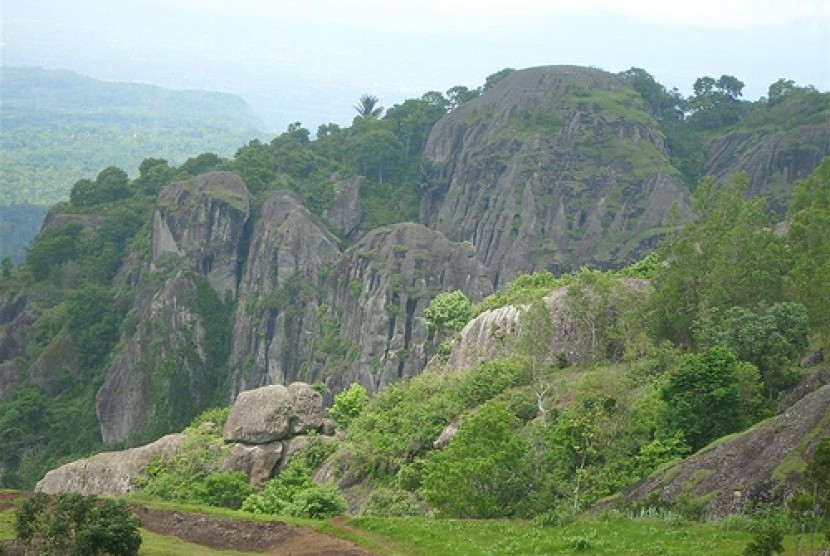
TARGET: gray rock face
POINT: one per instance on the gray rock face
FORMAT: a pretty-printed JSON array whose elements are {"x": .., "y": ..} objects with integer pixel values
[
  {"x": 494, "y": 333},
  {"x": 741, "y": 472},
  {"x": 345, "y": 212},
  {"x": 306, "y": 408},
  {"x": 259, "y": 416},
  {"x": 533, "y": 173},
  {"x": 163, "y": 365},
  {"x": 139, "y": 382},
  {"x": 279, "y": 294},
  {"x": 108, "y": 473},
  {"x": 257, "y": 461},
  {"x": 377, "y": 296},
  {"x": 780, "y": 158},
  {"x": 201, "y": 220}
]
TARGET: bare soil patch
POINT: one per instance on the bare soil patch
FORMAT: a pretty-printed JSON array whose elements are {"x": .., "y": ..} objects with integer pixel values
[{"x": 271, "y": 537}]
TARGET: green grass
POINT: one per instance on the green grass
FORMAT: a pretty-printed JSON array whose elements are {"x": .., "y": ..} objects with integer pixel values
[
  {"x": 412, "y": 537},
  {"x": 162, "y": 545}
]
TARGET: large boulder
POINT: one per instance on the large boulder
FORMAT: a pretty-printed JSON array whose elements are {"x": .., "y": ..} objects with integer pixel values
[
  {"x": 257, "y": 461},
  {"x": 109, "y": 473},
  {"x": 306, "y": 408},
  {"x": 259, "y": 416}
]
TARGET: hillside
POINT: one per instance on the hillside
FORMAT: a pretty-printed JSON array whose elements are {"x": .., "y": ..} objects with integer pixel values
[
  {"x": 434, "y": 257},
  {"x": 57, "y": 127}
]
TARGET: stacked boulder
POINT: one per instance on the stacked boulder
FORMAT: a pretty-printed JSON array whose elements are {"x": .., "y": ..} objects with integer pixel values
[{"x": 268, "y": 425}]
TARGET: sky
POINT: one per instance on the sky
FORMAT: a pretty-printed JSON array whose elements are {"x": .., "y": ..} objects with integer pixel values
[{"x": 311, "y": 60}]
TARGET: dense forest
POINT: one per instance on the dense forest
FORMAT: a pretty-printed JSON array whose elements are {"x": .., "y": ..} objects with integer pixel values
[{"x": 693, "y": 329}]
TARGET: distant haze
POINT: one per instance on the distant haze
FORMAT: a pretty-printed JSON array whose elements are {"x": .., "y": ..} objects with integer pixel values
[{"x": 309, "y": 61}]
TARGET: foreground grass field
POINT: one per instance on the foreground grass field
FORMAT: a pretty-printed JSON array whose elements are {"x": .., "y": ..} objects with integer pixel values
[{"x": 614, "y": 535}]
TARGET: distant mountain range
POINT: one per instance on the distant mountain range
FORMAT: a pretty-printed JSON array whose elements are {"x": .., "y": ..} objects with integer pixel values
[{"x": 57, "y": 127}]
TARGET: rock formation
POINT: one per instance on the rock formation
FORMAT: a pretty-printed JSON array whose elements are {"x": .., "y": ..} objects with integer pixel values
[
  {"x": 545, "y": 168},
  {"x": 748, "y": 470},
  {"x": 109, "y": 473}
]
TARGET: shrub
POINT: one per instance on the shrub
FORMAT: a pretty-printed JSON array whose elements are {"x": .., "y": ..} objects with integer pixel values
[
  {"x": 74, "y": 524},
  {"x": 348, "y": 404},
  {"x": 393, "y": 502},
  {"x": 294, "y": 493}
]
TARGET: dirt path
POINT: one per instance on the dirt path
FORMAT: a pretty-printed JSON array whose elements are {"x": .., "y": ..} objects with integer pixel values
[{"x": 272, "y": 537}]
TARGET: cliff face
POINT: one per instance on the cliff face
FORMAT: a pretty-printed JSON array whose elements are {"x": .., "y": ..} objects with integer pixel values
[
  {"x": 774, "y": 160},
  {"x": 554, "y": 168},
  {"x": 376, "y": 297},
  {"x": 280, "y": 294},
  {"x": 161, "y": 370}
]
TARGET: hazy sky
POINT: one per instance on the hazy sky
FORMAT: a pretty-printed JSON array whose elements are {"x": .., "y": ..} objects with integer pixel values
[{"x": 310, "y": 60}]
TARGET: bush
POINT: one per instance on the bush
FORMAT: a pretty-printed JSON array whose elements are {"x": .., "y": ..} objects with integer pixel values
[
  {"x": 348, "y": 404},
  {"x": 392, "y": 502},
  {"x": 294, "y": 493},
  {"x": 74, "y": 524}
]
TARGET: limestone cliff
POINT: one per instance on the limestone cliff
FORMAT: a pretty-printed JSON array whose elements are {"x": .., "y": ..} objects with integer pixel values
[{"x": 553, "y": 168}]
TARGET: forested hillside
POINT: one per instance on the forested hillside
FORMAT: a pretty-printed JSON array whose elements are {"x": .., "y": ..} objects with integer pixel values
[
  {"x": 57, "y": 127},
  {"x": 454, "y": 233}
]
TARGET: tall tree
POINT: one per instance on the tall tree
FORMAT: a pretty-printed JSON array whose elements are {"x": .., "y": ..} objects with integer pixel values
[{"x": 368, "y": 106}]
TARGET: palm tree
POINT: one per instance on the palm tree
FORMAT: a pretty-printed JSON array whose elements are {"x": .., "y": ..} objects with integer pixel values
[{"x": 368, "y": 106}]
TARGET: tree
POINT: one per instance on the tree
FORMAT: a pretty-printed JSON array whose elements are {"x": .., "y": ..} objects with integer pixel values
[
  {"x": 781, "y": 88},
  {"x": 726, "y": 255},
  {"x": 458, "y": 95},
  {"x": 74, "y": 524},
  {"x": 448, "y": 311},
  {"x": 665, "y": 105},
  {"x": 482, "y": 473},
  {"x": 368, "y": 107},
  {"x": 6, "y": 268},
  {"x": 348, "y": 404},
  {"x": 808, "y": 239},
  {"x": 702, "y": 397},
  {"x": 771, "y": 338},
  {"x": 378, "y": 152}
]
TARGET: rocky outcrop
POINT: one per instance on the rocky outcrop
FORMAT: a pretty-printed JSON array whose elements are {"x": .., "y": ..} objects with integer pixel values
[
  {"x": 267, "y": 426},
  {"x": 377, "y": 296},
  {"x": 774, "y": 161},
  {"x": 260, "y": 416},
  {"x": 748, "y": 470},
  {"x": 551, "y": 169},
  {"x": 109, "y": 473},
  {"x": 345, "y": 213},
  {"x": 161, "y": 371},
  {"x": 202, "y": 221},
  {"x": 280, "y": 294},
  {"x": 571, "y": 339}
]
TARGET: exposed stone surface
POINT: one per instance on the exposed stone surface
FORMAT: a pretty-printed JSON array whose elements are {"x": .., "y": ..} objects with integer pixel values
[
  {"x": 306, "y": 408},
  {"x": 279, "y": 294},
  {"x": 774, "y": 160},
  {"x": 259, "y": 416},
  {"x": 258, "y": 461},
  {"x": 378, "y": 293},
  {"x": 108, "y": 473},
  {"x": 202, "y": 221},
  {"x": 345, "y": 212},
  {"x": 494, "y": 333},
  {"x": 447, "y": 434},
  {"x": 533, "y": 174},
  {"x": 741, "y": 472},
  {"x": 136, "y": 387}
]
